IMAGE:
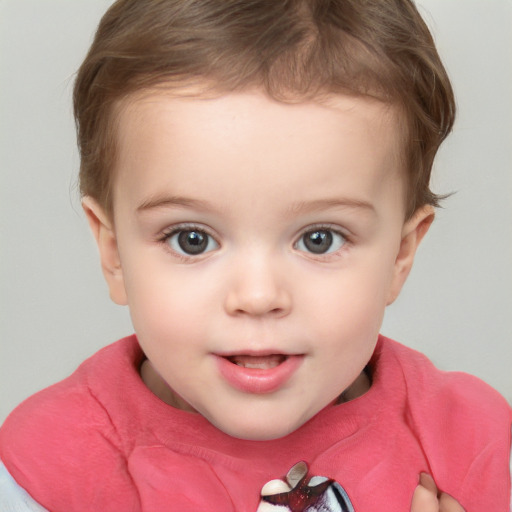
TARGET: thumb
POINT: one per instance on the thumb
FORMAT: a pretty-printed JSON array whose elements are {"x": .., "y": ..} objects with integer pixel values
[
  {"x": 449, "y": 504},
  {"x": 424, "y": 498}
]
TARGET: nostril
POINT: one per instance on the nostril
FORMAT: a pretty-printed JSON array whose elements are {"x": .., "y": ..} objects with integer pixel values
[
  {"x": 254, "y": 311},
  {"x": 257, "y": 298}
]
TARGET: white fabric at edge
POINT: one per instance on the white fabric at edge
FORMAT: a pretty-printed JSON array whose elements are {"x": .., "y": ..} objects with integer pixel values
[{"x": 14, "y": 498}]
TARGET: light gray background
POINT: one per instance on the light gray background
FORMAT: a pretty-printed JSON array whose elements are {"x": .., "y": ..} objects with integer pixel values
[{"x": 55, "y": 310}]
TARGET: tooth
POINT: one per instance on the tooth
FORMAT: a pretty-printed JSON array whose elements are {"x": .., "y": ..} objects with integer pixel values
[{"x": 260, "y": 366}]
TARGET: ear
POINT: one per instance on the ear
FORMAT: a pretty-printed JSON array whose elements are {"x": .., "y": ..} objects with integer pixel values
[
  {"x": 103, "y": 230},
  {"x": 413, "y": 232}
]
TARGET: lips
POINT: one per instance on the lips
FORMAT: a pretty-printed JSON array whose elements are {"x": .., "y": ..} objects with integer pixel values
[{"x": 258, "y": 373}]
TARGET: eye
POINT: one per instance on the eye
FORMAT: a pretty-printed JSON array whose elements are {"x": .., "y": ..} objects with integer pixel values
[
  {"x": 320, "y": 241},
  {"x": 191, "y": 242}
]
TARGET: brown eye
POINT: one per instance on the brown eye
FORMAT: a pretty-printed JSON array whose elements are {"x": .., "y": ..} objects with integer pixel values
[
  {"x": 320, "y": 241},
  {"x": 191, "y": 242}
]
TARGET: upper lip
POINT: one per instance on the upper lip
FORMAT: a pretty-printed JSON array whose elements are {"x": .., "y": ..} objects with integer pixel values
[{"x": 256, "y": 353}]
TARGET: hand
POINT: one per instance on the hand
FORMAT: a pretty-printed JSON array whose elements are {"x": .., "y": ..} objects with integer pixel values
[{"x": 427, "y": 498}]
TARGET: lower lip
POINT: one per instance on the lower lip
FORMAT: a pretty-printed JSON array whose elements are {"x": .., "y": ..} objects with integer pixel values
[{"x": 255, "y": 380}]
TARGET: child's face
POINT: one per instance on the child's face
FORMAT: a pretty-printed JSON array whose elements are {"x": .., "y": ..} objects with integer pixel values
[{"x": 257, "y": 245}]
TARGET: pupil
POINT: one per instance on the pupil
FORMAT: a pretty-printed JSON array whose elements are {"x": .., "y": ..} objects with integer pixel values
[
  {"x": 318, "y": 242},
  {"x": 192, "y": 242}
]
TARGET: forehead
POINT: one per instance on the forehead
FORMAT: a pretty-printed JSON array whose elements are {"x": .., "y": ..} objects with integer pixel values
[
  {"x": 196, "y": 103},
  {"x": 212, "y": 135}
]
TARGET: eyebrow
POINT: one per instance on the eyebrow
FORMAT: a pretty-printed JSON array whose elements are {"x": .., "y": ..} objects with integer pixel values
[
  {"x": 327, "y": 204},
  {"x": 173, "y": 201},
  {"x": 296, "y": 208}
]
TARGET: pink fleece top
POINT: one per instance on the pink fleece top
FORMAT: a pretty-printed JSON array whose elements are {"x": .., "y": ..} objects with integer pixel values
[{"x": 100, "y": 440}]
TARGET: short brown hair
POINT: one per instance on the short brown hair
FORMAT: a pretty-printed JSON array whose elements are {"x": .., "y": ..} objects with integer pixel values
[{"x": 296, "y": 49}]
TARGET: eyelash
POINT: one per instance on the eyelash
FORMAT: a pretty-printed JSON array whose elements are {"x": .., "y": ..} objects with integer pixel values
[
  {"x": 329, "y": 228},
  {"x": 167, "y": 234}
]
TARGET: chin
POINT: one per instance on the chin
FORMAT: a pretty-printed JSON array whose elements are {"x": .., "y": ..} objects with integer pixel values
[{"x": 257, "y": 430}]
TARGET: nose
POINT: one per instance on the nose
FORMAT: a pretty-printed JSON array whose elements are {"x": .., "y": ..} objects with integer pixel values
[{"x": 257, "y": 287}]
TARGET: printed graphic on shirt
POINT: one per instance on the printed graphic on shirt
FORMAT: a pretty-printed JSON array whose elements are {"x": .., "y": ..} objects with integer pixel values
[{"x": 298, "y": 491}]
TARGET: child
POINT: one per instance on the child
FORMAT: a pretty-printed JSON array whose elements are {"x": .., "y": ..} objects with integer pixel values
[{"x": 256, "y": 177}]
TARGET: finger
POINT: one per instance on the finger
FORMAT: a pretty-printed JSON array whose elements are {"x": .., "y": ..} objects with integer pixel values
[
  {"x": 449, "y": 504},
  {"x": 424, "y": 500},
  {"x": 428, "y": 482}
]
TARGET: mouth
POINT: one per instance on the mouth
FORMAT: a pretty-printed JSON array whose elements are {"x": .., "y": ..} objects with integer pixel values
[
  {"x": 258, "y": 373},
  {"x": 266, "y": 362}
]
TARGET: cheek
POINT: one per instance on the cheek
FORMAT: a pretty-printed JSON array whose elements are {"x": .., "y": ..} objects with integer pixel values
[
  {"x": 356, "y": 290},
  {"x": 164, "y": 302},
  {"x": 351, "y": 303}
]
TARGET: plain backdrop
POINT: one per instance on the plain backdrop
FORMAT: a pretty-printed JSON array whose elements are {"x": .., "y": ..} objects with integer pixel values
[{"x": 55, "y": 310}]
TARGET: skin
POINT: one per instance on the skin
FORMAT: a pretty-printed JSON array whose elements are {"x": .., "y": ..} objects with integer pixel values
[
  {"x": 427, "y": 498},
  {"x": 256, "y": 178}
]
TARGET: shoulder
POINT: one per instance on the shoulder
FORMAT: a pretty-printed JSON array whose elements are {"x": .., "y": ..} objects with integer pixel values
[
  {"x": 51, "y": 417},
  {"x": 462, "y": 424},
  {"x": 454, "y": 395},
  {"x": 63, "y": 437}
]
